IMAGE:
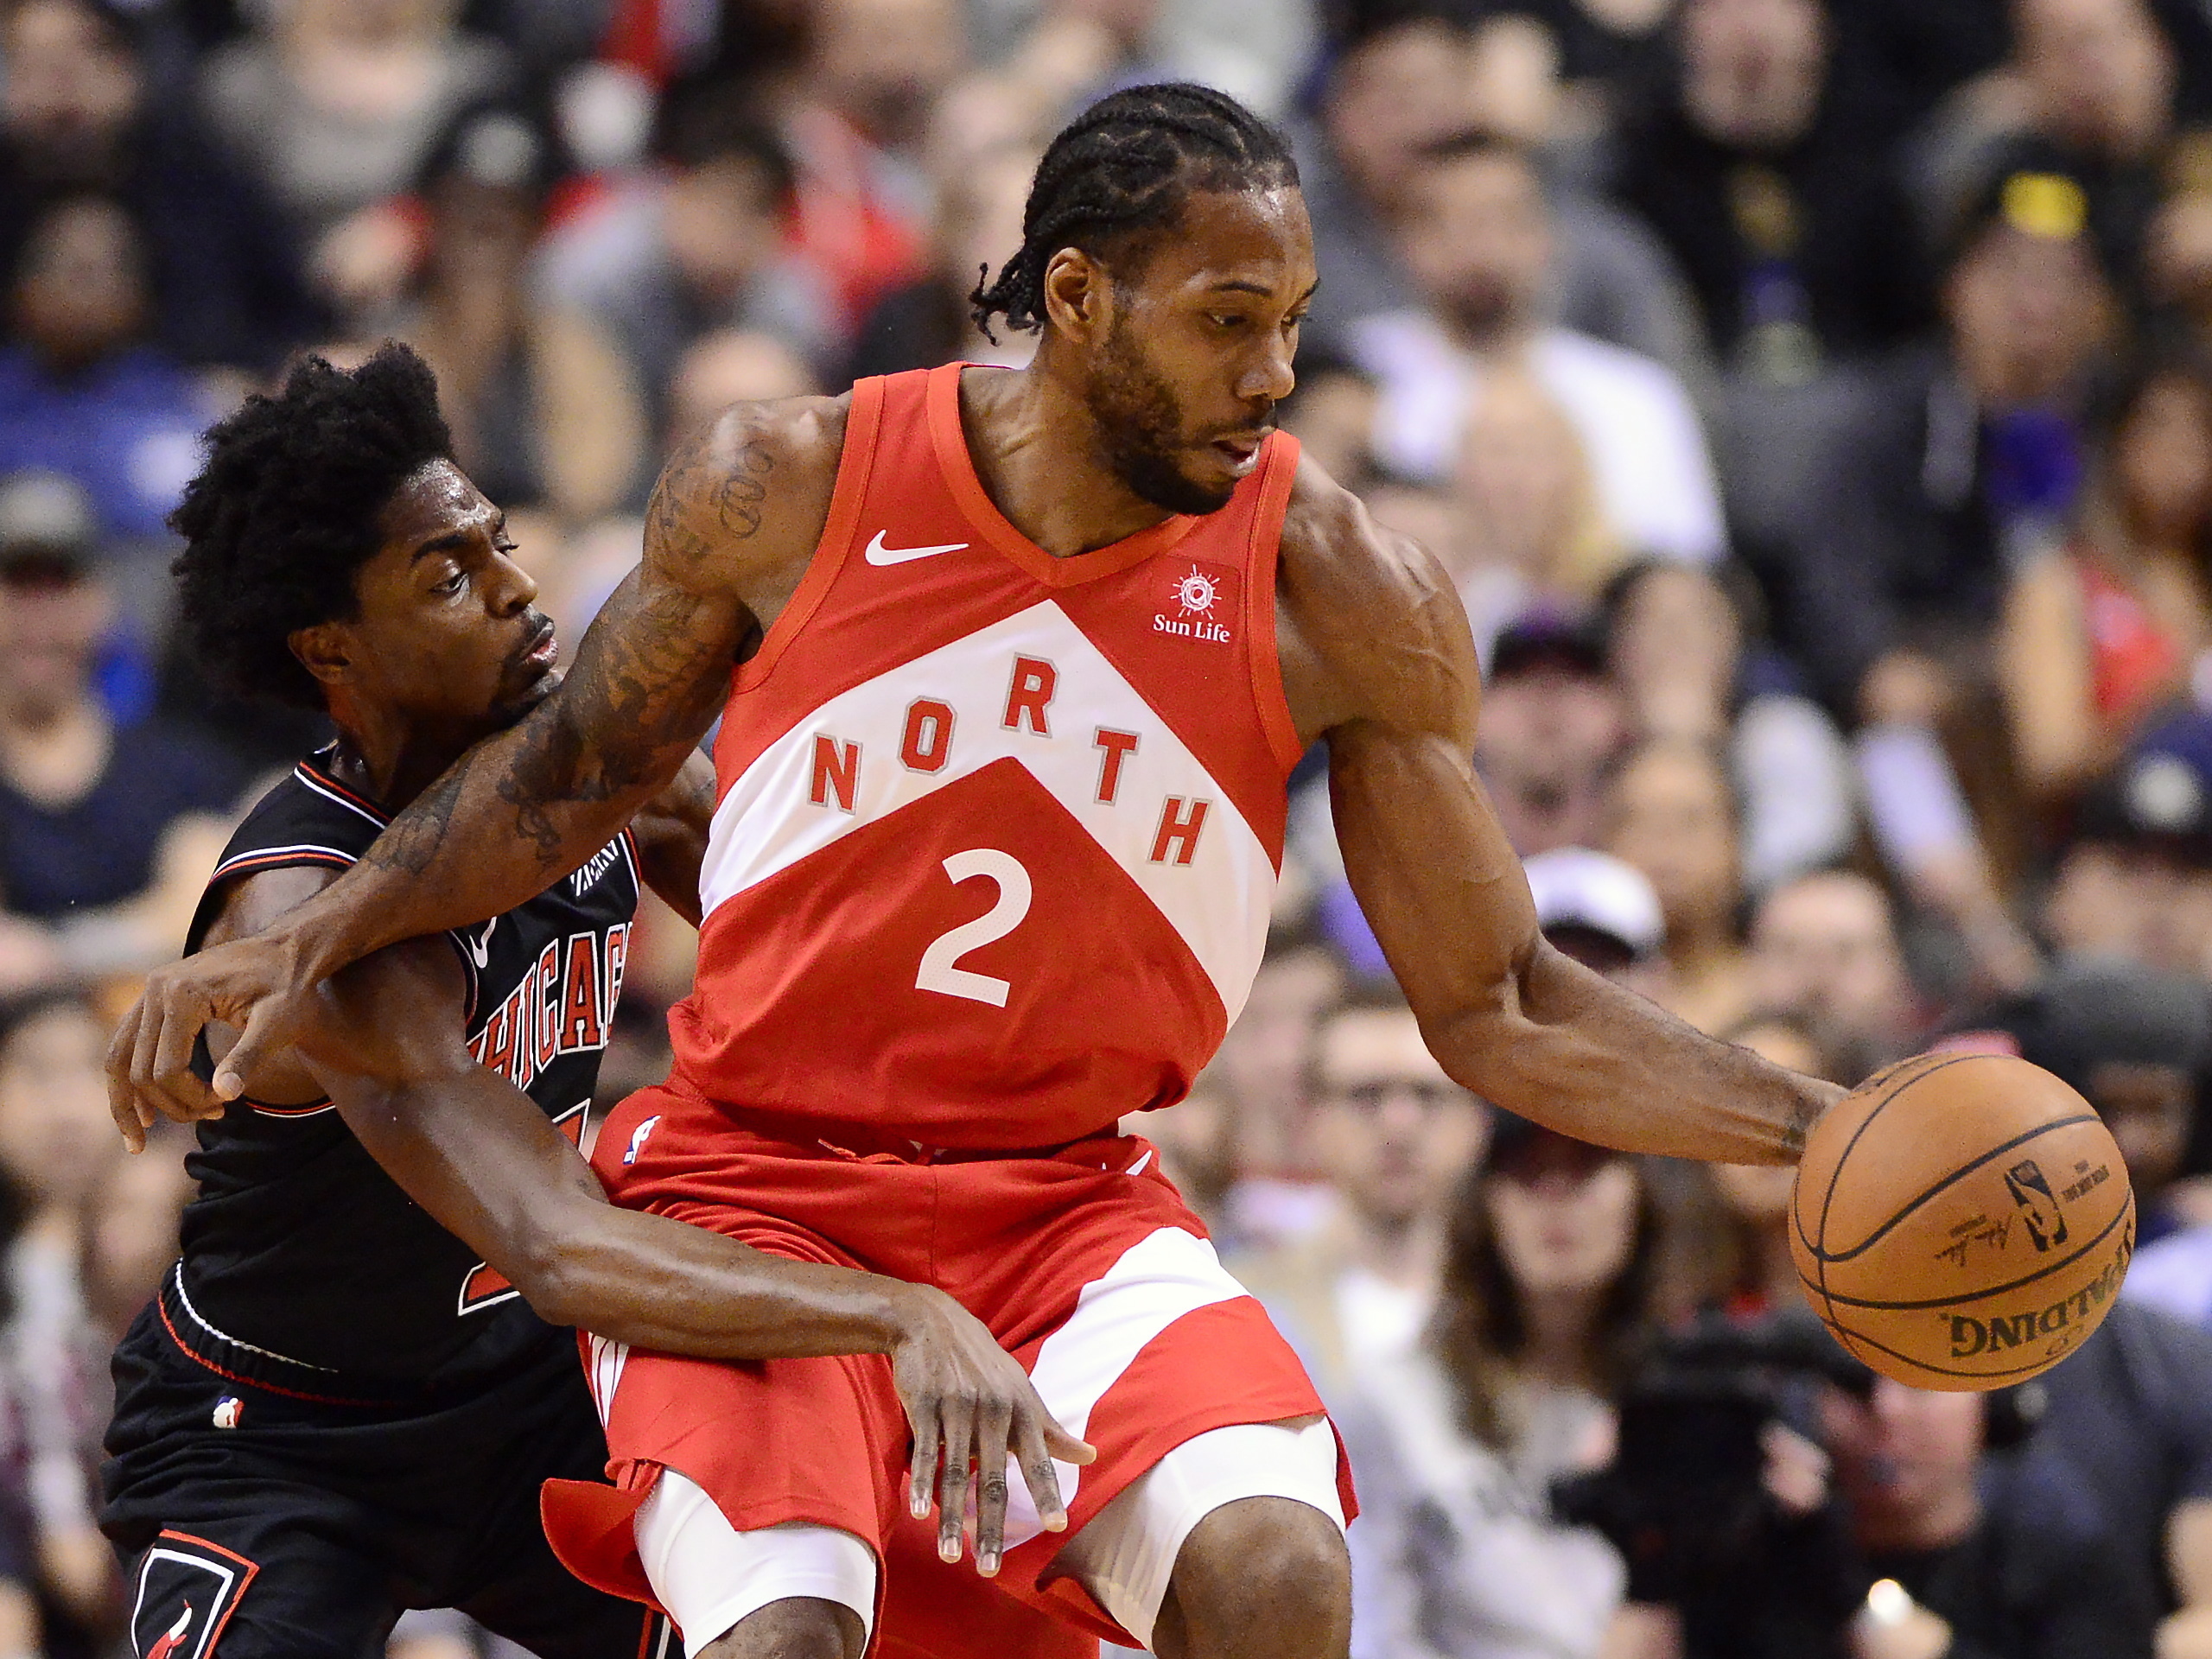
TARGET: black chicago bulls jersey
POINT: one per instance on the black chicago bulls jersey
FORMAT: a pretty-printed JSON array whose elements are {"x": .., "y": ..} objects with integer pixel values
[{"x": 305, "y": 1267}]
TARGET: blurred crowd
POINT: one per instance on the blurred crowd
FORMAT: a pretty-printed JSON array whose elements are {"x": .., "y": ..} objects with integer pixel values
[{"x": 1811, "y": 401}]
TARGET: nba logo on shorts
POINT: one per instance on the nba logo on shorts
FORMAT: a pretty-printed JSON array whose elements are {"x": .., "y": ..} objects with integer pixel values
[{"x": 228, "y": 1410}]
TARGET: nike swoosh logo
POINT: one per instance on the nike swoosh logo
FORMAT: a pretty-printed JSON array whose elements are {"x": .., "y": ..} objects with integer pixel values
[
  {"x": 879, "y": 554},
  {"x": 481, "y": 946}
]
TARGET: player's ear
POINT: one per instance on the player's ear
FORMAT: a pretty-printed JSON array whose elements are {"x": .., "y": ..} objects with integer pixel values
[
  {"x": 324, "y": 651},
  {"x": 1078, "y": 295}
]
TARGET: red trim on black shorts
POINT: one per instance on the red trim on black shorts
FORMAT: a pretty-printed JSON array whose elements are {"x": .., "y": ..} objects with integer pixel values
[{"x": 237, "y": 1595}]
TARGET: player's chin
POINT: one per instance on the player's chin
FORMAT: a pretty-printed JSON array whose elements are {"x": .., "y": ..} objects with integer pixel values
[
  {"x": 525, "y": 689},
  {"x": 1210, "y": 478}
]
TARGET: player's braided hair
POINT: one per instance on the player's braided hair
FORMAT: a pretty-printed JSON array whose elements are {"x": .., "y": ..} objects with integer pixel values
[
  {"x": 1127, "y": 163},
  {"x": 286, "y": 510}
]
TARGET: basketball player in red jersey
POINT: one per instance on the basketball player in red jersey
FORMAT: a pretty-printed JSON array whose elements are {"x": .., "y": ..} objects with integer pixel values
[{"x": 1013, "y": 667}]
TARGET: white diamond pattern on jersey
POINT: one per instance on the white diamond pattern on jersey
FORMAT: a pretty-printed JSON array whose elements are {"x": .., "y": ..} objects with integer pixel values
[{"x": 1148, "y": 802}]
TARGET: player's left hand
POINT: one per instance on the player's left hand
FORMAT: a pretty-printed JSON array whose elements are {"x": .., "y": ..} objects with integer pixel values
[
  {"x": 974, "y": 1410},
  {"x": 256, "y": 984}
]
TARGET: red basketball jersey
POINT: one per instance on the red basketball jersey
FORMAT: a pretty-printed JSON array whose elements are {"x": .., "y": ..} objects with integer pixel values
[{"x": 996, "y": 834}]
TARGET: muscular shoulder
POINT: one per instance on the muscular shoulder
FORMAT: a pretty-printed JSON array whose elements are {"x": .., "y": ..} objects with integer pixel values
[
  {"x": 748, "y": 495},
  {"x": 1368, "y": 624}
]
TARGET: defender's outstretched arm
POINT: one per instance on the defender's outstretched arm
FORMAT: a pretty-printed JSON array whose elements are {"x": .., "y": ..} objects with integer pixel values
[
  {"x": 480, "y": 1157},
  {"x": 1378, "y": 657},
  {"x": 383, "y": 1040},
  {"x": 733, "y": 522}
]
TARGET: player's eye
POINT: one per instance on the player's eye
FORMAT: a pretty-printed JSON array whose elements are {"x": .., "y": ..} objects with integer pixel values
[
  {"x": 452, "y": 584},
  {"x": 1220, "y": 321}
]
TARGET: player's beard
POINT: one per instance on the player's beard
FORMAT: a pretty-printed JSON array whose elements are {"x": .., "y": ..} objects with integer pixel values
[{"x": 1141, "y": 430}]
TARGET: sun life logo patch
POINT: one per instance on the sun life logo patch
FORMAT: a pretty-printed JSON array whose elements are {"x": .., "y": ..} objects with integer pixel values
[{"x": 1195, "y": 604}]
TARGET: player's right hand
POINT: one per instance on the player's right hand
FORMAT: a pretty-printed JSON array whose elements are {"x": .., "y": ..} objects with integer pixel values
[
  {"x": 973, "y": 1410},
  {"x": 256, "y": 985}
]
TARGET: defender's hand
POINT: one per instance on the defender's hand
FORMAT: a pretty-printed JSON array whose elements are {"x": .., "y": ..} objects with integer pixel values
[
  {"x": 971, "y": 1402},
  {"x": 258, "y": 985}
]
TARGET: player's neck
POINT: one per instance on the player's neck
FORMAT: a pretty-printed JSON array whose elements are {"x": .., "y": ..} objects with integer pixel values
[
  {"x": 1036, "y": 451},
  {"x": 392, "y": 761}
]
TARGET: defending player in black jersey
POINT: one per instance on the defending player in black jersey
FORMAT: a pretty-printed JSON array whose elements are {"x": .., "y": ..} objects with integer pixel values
[{"x": 344, "y": 1397}]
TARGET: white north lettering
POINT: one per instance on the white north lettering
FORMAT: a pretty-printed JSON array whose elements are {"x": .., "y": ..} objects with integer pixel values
[{"x": 982, "y": 700}]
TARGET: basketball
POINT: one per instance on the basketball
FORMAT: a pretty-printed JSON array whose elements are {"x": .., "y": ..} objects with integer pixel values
[{"x": 1962, "y": 1221}]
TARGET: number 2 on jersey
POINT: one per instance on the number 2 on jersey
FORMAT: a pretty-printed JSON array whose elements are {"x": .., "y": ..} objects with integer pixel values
[{"x": 940, "y": 971}]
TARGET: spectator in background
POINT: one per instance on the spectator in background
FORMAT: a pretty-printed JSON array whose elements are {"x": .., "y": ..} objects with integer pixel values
[
  {"x": 2134, "y": 1042},
  {"x": 108, "y": 827},
  {"x": 2099, "y": 633},
  {"x": 77, "y": 113},
  {"x": 2104, "y": 85},
  {"x": 544, "y": 410},
  {"x": 1554, "y": 724},
  {"x": 1551, "y": 1292},
  {"x": 697, "y": 246},
  {"x": 333, "y": 108},
  {"x": 1266, "y": 1066},
  {"x": 1395, "y": 1137},
  {"x": 1991, "y": 1561},
  {"x": 1761, "y": 170},
  {"x": 2134, "y": 880},
  {"x": 1602, "y": 912},
  {"x": 728, "y": 366},
  {"x": 855, "y": 125},
  {"x": 2125, "y": 1440},
  {"x": 1966, "y": 459},
  {"x": 1525, "y": 528},
  {"x": 1824, "y": 951},
  {"x": 1958, "y": 465},
  {"x": 1675, "y": 642},
  {"x": 80, "y": 393},
  {"x": 1399, "y": 81},
  {"x": 1414, "y": 75},
  {"x": 1673, "y": 816},
  {"x": 926, "y": 322},
  {"x": 576, "y": 572},
  {"x": 57, "y": 1147},
  {"x": 1477, "y": 235}
]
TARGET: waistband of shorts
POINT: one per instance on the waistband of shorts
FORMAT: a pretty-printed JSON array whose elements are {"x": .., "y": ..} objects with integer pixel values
[
  {"x": 238, "y": 1361},
  {"x": 870, "y": 1141}
]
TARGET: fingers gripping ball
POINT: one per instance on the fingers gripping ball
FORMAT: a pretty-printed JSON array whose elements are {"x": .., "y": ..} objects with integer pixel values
[{"x": 1962, "y": 1221}]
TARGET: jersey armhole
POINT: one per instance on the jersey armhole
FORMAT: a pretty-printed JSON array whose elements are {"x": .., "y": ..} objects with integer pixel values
[
  {"x": 1267, "y": 693},
  {"x": 462, "y": 948},
  {"x": 260, "y": 862},
  {"x": 855, "y": 462}
]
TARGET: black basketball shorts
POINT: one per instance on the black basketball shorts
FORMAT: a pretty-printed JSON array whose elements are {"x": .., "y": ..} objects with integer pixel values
[{"x": 254, "y": 1525}]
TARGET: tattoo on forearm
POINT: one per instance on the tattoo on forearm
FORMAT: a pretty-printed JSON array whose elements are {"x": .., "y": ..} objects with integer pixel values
[
  {"x": 647, "y": 678},
  {"x": 414, "y": 838},
  {"x": 742, "y": 492}
]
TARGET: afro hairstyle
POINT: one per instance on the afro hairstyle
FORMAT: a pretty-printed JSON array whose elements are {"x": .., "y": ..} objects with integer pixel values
[{"x": 286, "y": 510}]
